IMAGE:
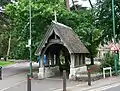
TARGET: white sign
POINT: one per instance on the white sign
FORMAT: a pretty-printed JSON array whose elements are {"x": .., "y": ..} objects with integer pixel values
[{"x": 29, "y": 42}]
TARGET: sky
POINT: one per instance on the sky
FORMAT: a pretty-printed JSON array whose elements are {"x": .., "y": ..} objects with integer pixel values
[{"x": 84, "y": 3}]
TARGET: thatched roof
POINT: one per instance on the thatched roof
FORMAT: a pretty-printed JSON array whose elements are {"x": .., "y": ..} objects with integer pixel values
[{"x": 67, "y": 36}]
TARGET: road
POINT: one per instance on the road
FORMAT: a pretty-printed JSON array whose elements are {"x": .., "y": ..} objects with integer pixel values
[
  {"x": 117, "y": 88},
  {"x": 17, "y": 68},
  {"x": 14, "y": 79},
  {"x": 41, "y": 85},
  {"x": 14, "y": 74},
  {"x": 51, "y": 85}
]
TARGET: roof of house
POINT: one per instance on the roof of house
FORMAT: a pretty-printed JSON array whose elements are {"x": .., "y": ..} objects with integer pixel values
[{"x": 67, "y": 36}]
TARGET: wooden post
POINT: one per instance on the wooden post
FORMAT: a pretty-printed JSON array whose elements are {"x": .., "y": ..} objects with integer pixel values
[
  {"x": 28, "y": 83},
  {"x": 89, "y": 77},
  {"x": 64, "y": 80}
]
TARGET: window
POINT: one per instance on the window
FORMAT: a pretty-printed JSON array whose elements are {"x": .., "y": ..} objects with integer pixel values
[
  {"x": 80, "y": 61},
  {"x": 76, "y": 60}
]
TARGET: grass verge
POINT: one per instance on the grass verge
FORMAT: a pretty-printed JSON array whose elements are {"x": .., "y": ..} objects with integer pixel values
[{"x": 5, "y": 63}]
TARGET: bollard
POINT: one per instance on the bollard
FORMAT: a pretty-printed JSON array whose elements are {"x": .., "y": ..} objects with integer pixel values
[
  {"x": 0, "y": 72},
  {"x": 64, "y": 80},
  {"x": 89, "y": 77},
  {"x": 28, "y": 83}
]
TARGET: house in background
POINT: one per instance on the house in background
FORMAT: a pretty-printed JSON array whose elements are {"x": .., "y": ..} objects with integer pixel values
[{"x": 109, "y": 47}]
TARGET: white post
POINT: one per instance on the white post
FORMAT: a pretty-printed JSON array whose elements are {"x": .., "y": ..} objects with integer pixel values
[
  {"x": 110, "y": 73},
  {"x": 107, "y": 68},
  {"x": 103, "y": 73}
]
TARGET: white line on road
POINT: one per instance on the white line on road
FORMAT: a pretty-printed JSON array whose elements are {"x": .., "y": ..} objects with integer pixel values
[
  {"x": 92, "y": 89},
  {"x": 13, "y": 85},
  {"x": 106, "y": 87}
]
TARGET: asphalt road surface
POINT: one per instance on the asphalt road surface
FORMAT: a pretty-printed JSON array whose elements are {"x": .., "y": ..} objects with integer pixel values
[
  {"x": 14, "y": 79},
  {"x": 14, "y": 74},
  {"x": 41, "y": 85},
  {"x": 114, "y": 89},
  {"x": 16, "y": 69}
]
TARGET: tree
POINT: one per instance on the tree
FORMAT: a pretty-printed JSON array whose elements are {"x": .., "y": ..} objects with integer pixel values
[
  {"x": 87, "y": 30},
  {"x": 104, "y": 18},
  {"x": 42, "y": 15},
  {"x": 4, "y": 31},
  {"x": 89, "y": 34},
  {"x": 67, "y": 4},
  {"x": 91, "y": 4}
]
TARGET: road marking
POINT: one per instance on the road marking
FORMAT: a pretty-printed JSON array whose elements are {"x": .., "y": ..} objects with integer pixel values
[
  {"x": 13, "y": 85},
  {"x": 106, "y": 87},
  {"x": 69, "y": 88},
  {"x": 92, "y": 89},
  {"x": 54, "y": 79}
]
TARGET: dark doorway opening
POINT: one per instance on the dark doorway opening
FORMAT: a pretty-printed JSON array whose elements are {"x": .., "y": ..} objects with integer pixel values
[{"x": 58, "y": 55}]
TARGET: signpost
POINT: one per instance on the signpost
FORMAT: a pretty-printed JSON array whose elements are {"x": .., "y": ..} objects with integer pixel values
[
  {"x": 115, "y": 50},
  {"x": 44, "y": 62},
  {"x": 38, "y": 60},
  {"x": 115, "y": 62},
  {"x": 30, "y": 39},
  {"x": 119, "y": 58},
  {"x": 113, "y": 16}
]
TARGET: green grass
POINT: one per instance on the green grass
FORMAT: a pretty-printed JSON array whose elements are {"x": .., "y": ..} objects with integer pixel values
[{"x": 5, "y": 63}]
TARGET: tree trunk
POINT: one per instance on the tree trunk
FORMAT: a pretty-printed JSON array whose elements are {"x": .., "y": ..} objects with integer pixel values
[
  {"x": 92, "y": 60},
  {"x": 67, "y": 4},
  {"x": 8, "y": 51},
  {"x": 74, "y": 5},
  {"x": 91, "y": 4}
]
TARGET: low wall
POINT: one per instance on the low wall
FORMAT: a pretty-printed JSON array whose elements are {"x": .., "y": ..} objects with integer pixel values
[
  {"x": 48, "y": 72},
  {"x": 81, "y": 74},
  {"x": 74, "y": 72},
  {"x": 94, "y": 77}
]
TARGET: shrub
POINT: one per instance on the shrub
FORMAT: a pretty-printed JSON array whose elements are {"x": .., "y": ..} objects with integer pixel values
[
  {"x": 95, "y": 68},
  {"x": 107, "y": 61}
]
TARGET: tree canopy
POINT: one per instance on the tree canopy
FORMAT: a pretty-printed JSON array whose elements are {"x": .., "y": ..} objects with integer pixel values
[
  {"x": 91, "y": 25},
  {"x": 104, "y": 18}
]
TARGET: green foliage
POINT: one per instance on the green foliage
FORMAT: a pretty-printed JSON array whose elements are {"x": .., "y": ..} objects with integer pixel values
[
  {"x": 42, "y": 14},
  {"x": 88, "y": 33},
  {"x": 108, "y": 60},
  {"x": 104, "y": 18},
  {"x": 5, "y": 63}
]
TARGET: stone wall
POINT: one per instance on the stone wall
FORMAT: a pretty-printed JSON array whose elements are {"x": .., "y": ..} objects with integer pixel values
[
  {"x": 48, "y": 72},
  {"x": 75, "y": 72},
  {"x": 94, "y": 77}
]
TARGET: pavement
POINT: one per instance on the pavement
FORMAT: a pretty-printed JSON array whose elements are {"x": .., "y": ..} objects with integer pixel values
[
  {"x": 99, "y": 85},
  {"x": 55, "y": 84},
  {"x": 15, "y": 79}
]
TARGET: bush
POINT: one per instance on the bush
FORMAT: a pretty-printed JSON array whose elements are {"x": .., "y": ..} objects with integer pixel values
[
  {"x": 95, "y": 68},
  {"x": 107, "y": 61}
]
